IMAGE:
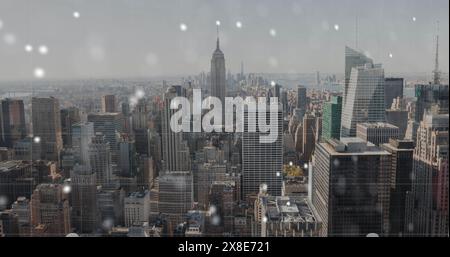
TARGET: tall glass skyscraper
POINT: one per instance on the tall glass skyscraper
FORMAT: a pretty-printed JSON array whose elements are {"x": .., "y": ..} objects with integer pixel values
[
  {"x": 331, "y": 119},
  {"x": 353, "y": 58},
  {"x": 365, "y": 98}
]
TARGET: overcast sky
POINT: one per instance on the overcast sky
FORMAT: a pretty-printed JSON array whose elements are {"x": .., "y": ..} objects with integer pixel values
[{"x": 127, "y": 38}]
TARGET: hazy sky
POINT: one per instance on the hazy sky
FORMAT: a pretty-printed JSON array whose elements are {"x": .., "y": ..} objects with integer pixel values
[{"x": 125, "y": 38}]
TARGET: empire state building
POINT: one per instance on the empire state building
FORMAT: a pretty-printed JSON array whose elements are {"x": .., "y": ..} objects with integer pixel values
[{"x": 218, "y": 82}]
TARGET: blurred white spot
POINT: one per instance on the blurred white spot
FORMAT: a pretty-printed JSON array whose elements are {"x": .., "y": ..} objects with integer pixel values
[
  {"x": 10, "y": 39},
  {"x": 305, "y": 165},
  {"x": 29, "y": 48},
  {"x": 217, "y": 23},
  {"x": 390, "y": 55},
  {"x": 97, "y": 52},
  {"x": 273, "y": 62},
  {"x": 140, "y": 93},
  {"x": 264, "y": 219},
  {"x": 288, "y": 203},
  {"x": 215, "y": 220},
  {"x": 3, "y": 201},
  {"x": 336, "y": 162},
  {"x": 278, "y": 174},
  {"x": 336, "y": 27},
  {"x": 37, "y": 139},
  {"x": 151, "y": 59},
  {"x": 414, "y": 18},
  {"x": 264, "y": 187},
  {"x": 133, "y": 100},
  {"x": 212, "y": 209},
  {"x": 67, "y": 189},
  {"x": 43, "y": 49},
  {"x": 107, "y": 224},
  {"x": 273, "y": 32},
  {"x": 238, "y": 24},
  {"x": 372, "y": 235},
  {"x": 291, "y": 163},
  {"x": 38, "y": 73},
  {"x": 272, "y": 83},
  {"x": 76, "y": 15},
  {"x": 183, "y": 27}
]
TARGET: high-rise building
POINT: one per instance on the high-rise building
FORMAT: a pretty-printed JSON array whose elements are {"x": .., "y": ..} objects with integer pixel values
[
  {"x": 110, "y": 202},
  {"x": 309, "y": 139},
  {"x": 127, "y": 157},
  {"x": 218, "y": 79},
  {"x": 302, "y": 101},
  {"x": 100, "y": 159},
  {"x": 12, "y": 122},
  {"x": 47, "y": 126},
  {"x": 9, "y": 224},
  {"x": 349, "y": 189},
  {"x": 393, "y": 88},
  {"x": 377, "y": 132},
  {"x": 331, "y": 118},
  {"x": 82, "y": 134},
  {"x": 15, "y": 181},
  {"x": 22, "y": 208},
  {"x": 427, "y": 203},
  {"x": 139, "y": 116},
  {"x": 137, "y": 208},
  {"x": 429, "y": 95},
  {"x": 109, "y": 124},
  {"x": 50, "y": 207},
  {"x": 109, "y": 103},
  {"x": 175, "y": 152},
  {"x": 400, "y": 182},
  {"x": 69, "y": 117},
  {"x": 262, "y": 162},
  {"x": 84, "y": 199},
  {"x": 353, "y": 59},
  {"x": 175, "y": 195},
  {"x": 365, "y": 98}
]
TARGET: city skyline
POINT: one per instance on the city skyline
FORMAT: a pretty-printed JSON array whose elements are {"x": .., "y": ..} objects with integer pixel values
[{"x": 77, "y": 39}]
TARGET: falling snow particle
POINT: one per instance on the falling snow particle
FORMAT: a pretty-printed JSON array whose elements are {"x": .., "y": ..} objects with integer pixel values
[
  {"x": 390, "y": 55},
  {"x": 212, "y": 209},
  {"x": 305, "y": 165},
  {"x": 273, "y": 32},
  {"x": 76, "y": 15},
  {"x": 9, "y": 39},
  {"x": 37, "y": 139},
  {"x": 183, "y": 27},
  {"x": 414, "y": 18},
  {"x": 238, "y": 24},
  {"x": 43, "y": 50},
  {"x": 217, "y": 23},
  {"x": 291, "y": 163},
  {"x": 140, "y": 93},
  {"x": 272, "y": 83},
  {"x": 278, "y": 174},
  {"x": 38, "y": 73},
  {"x": 264, "y": 219},
  {"x": 29, "y": 48},
  {"x": 67, "y": 189},
  {"x": 336, "y": 27}
]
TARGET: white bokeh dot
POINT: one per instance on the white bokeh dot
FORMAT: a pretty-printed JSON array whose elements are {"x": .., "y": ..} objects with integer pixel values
[
  {"x": 67, "y": 189},
  {"x": 10, "y": 39},
  {"x": 238, "y": 24},
  {"x": 414, "y": 18},
  {"x": 336, "y": 27},
  {"x": 76, "y": 15},
  {"x": 264, "y": 219},
  {"x": 278, "y": 174},
  {"x": 273, "y": 32},
  {"x": 391, "y": 55},
  {"x": 28, "y": 48},
  {"x": 37, "y": 139},
  {"x": 39, "y": 73},
  {"x": 305, "y": 165},
  {"x": 217, "y": 23},
  {"x": 43, "y": 49},
  {"x": 273, "y": 83},
  {"x": 183, "y": 27}
]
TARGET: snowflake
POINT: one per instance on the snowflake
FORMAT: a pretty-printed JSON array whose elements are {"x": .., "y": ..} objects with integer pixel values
[
  {"x": 28, "y": 48},
  {"x": 217, "y": 23},
  {"x": 43, "y": 49},
  {"x": 238, "y": 24},
  {"x": 336, "y": 27},
  {"x": 38, "y": 73},
  {"x": 273, "y": 32},
  {"x": 76, "y": 15},
  {"x": 183, "y": 27}
]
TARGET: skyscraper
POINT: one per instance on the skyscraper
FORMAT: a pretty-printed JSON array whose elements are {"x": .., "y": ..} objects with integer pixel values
[
  {"x": 377, "y": 132},
  {"x": 353, "y": 59},
  {"x": 109, "y": 124},
  {"x": 69, "y": 117},
  {"x": 393, "y": 88},
  {"x": 302, "y": 101},
  {"x": 427, "y": 203},
  {"x": 349, "y": 187},
  {"x": 12, "y": 121},
  {"x": 50, "y": 207},
  {"x": 331, "y": 118},
  {"x": 84, "y": 199},
  {"x": 109, "y": 103},
  {"x": 309, "y": 139},
  {"x": 175, "y": 150},
  {"x": 47, "y": 126},
  {"x": 400, "y": 182},
  {"x": 82, "y": 134},
  {"x": 218, "y": 79},
  {"x": 100, "y": 159},
  {"x": 365, "y": 98},
  {"x": 262, "y": 163}
]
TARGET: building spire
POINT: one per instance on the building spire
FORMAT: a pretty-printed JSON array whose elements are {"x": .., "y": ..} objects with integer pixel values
[
  {"x": 436, "y": 72},
  {"x": 356, "y": 32},
  {"x": 217, "y": 28}
]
